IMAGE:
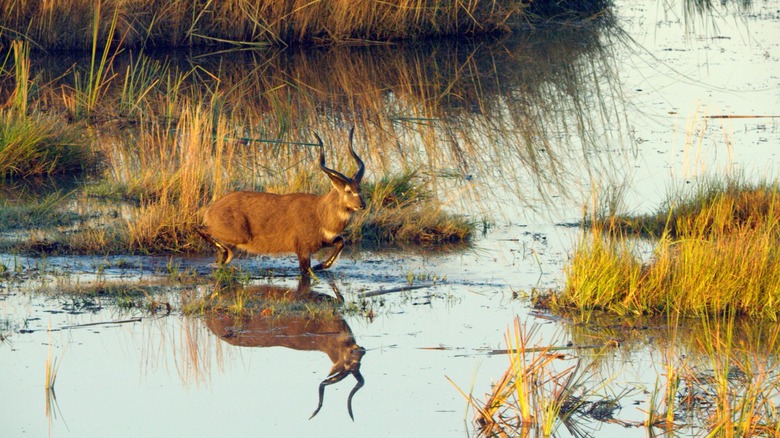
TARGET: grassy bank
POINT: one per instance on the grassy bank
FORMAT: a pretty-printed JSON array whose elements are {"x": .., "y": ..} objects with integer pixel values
[
  {"x": 715, "y": 254},
  {"x": 72, "y": 25}
]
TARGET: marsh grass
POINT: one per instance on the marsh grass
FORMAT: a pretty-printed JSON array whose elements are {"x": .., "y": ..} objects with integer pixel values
[
  {"x": 33, "y": 143},
  {"x": 716, "y": 254},
  {"x": 719, "y": 383},
  {"x": 69, "y": 24},
  {"x": 401, "y": 209},
  {"x": 537, "y": 393},
  {"x": 711, "y": 207},
  {"x": 719, "y": 373},
  {"x": 41, "y": 145}
]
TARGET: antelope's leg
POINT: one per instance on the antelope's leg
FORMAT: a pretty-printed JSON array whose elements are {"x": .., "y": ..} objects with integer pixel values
[
  {"x": 225, "y": 253},
  {"x": 338, "y": 242},
  {"x": 304, "y": 262}
]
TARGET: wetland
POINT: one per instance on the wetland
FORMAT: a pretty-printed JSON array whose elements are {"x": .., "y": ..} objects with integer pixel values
[{"x": 486, "y": 160}]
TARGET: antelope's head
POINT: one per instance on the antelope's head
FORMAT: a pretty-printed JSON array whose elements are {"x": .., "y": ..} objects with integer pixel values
[{"x": 348, "y": 188}]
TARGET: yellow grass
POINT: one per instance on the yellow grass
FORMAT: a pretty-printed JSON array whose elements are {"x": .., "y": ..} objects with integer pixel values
[
  {"x": 533, "y": 394},
  {"x": 723, "y": 258}
]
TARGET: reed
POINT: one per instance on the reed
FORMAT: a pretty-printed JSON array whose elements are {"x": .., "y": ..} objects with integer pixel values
[
  {"x": 52, "y": 367},
  {"x": 20, "y": 95},
  {"x": 537, "y": 394}
]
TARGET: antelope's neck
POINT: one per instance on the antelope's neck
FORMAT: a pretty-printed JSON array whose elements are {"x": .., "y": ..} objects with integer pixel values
[{"x": 333, "y": 216}]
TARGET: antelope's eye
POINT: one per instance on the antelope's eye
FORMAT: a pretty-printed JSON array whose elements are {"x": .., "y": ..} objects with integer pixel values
[{"x": 348, "y": 190}]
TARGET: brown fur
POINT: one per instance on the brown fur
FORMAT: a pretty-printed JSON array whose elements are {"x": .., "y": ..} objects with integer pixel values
[
  {"x": 329, "y": 334},
  {"x": 326, "y": 333},
  {"x": 299, "y": 223}
]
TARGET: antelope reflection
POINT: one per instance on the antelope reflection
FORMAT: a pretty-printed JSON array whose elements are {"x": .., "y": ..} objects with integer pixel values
[{"x": 306, "y": 331}]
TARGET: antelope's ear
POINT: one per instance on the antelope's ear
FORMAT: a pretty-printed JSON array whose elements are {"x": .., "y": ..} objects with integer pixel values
[{"x": 337, "y": 184}]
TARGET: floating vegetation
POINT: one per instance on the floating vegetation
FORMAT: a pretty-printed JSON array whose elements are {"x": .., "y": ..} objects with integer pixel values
[{"x": 232, "y": 295}]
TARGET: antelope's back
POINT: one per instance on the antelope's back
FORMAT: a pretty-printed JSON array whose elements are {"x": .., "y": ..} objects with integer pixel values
[{"x": 263, "y": 222}]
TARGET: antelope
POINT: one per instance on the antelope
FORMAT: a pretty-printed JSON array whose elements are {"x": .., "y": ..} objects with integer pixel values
[
  {"x": 327, "y": 333},
  {"x": 300, "y": 223}
]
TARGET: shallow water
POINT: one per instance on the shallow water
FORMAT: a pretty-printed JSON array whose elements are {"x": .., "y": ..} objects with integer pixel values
[{"x": 132, "y": 373}]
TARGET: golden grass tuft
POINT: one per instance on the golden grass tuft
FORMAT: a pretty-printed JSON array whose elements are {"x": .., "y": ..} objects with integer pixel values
[
  {"x": 713, "y": 208},
  {"x": 718, "y": 255}
]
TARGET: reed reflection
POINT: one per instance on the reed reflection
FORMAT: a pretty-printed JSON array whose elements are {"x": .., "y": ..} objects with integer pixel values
[
  {"x": 517, "y": 117},
  {"x": 296, "y": 318}
]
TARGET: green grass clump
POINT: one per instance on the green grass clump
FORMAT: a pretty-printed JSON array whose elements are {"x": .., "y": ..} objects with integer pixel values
[
  {"x": 400, "y": 209},
  {"x": 713, "y": 208},
  {"x": 39, "y": 145},
  {"x": 719, "y": 255},
  {"x": 46, "y": 213}
]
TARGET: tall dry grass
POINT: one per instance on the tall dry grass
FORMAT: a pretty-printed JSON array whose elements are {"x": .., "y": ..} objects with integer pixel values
[
  {"x": 180, "y": 172},
  {"x": 156, "y": 23}
]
